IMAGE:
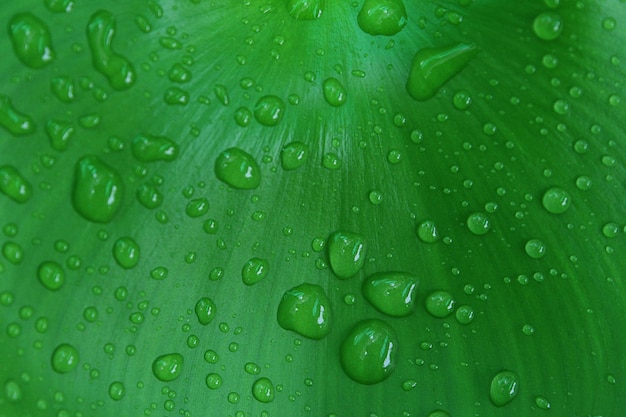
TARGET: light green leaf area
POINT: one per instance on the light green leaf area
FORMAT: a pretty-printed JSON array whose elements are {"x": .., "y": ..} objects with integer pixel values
[{"x": 476, "y": 145}]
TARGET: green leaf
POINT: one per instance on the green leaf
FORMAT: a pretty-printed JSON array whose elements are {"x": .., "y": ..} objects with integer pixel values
[{"x": 170, "y": 169}]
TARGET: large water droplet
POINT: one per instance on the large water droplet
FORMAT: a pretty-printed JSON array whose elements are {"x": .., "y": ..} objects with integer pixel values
[
  {"x": 126, "y": 252},
  {"x": 269, "y": 110},
  {"x": 117, "y": 390},
  {"x": 118, "y": 70},
  {"x": 433, "y": 67},
  {"x": 556, "y": 200},
  {"x": 238, "y": 169},
  {"x": 12, "y": 120},
  {"x": 382, "y": 17},
  {"x": 213, "y": 381},
  {"x": 368, "y": 353},
  {"x": 168, "y": 367},
  {"x": 305, "y": 309},
  {"x": 346, "y": 253},
  {"x": 334, "y": 92},
  {"x": 392, "y": 293},
  {"x": 31, "y": 40},
  {"x": 98, "y": 190},
  {"x": 504, "y": 387},
  {"x": 263, "y": 390},
  {"x": 148, "y": 148},
  {"x": 64, "y": 358},
  {"x": 14, "y": 185},
  {"x": 205, "y": 310},
  {"x": 51, "y": 275},
  {"x": 548, "y": 26}
]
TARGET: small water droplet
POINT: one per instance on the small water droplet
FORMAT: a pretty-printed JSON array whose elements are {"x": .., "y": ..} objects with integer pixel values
[
  {"x": 51, "y": 275},
  {"x": 213, "y": 381},
  {"x": 269, "y": 110},
  {"x": 126, "y": 252},
  {"x": 478, "y": 223},
  {"x": 556, "y": 200},
  {"x": 254, "y": 271},
  {"x": 31, "y": 40},
  {"x": 205, "y": 310},
  {"x": 117, "y": 390},
  {"x": 535, "y": 248},
  {"x": 12, "y": 120},
  {"x": 427, "y": 231},
  {"x": 334, "y": 92},
  {"x": 293, "y": 155},
  {"x": 440, "y": 304},
  {"x": 263, "y": 390},
  {"x": 305, "y": 9},
  {"x": 548, "y": 26}
]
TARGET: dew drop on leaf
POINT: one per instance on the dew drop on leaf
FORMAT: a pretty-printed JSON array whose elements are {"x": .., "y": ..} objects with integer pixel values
[
  {"x": 168, "y": 367},
  {"x": 382, "y": 17},
  {"x": 238, "y": 169},
  {"x": 346, "y": 253},
  {"x": 504, "y": 387},
  {"x": 31, "y": 40},
  {"x": 97, "y": 191},
  {"x": 305, "y": 309},
  {"x": 126, "y": 252},
  {"x": 64, "y": 358},
  {"x": 392, "y": 293},
  {"x": 440, "y": 304}
]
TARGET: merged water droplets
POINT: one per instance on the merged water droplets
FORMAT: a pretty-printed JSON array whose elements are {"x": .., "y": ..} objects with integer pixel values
[
  {"x": 305, "y": 309},
  {"x": 168, "y": 367},
  {"x": 97, "y": 190},
  {"x": 14, "y": 185},
  {"x": 31, "y": 40}
]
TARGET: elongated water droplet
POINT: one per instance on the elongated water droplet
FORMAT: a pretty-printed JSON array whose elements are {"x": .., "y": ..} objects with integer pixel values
[
  {"x": 305, "y": 309},
  {"x": 64, "y": 358},
  {"x": 346, "y": 252},
  {"x": 168, "y": 367},
  {"x": 63, "y": 88},
  {"x": 60, "y": 133},
  {"x": 31, "y": 40},
  {"x": 368, "y": 353},
  {"x": 269, "y": 110},
  {"x": 126, "y": 252},
  {"x": 293, "y": 155},
  {"x": 118, "y": 70},
  {"x": 504, "y": 387},
  {"x": 392, "y": 293},
  {"x": 149, "y": 148},
  {"x": 263, "y": 390},
  {"x": 176, "y": 96},
  {"x": 433, "y": 67},
  {"x": 382, "y": 17},
  {"x": 205, "y": 310},
  {"x": 14, "y": 185},
  {"x": 334, "y": 92},
  {"x": 12, "y": 120},
  {"x": 254, "y": 270},
  {"x": 238, "y": 169},
  {"x": 98, "y": 190},
  {"x": 305, "y": 9}
]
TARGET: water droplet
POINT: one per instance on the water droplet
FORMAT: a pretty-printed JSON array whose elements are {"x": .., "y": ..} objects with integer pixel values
[
  {"x": 168, "y": 367},
  {"x": 213, "y": 381},
  {"x": 197, "y": 207},
  {"x": 98, "y": 190},
  {"x": 561, "y": 106},
  {"x": 269, "y": 110},
  {"x": 12, "y": 391},
  {"x": 609, "y": 24},
  {"x": 179, "y": 74},
  {"x": 238, "y": 169},
  {"x": 12, "y": 120},
  {"x": 59, "y": 6},
  {"x": 331, "y": 161},
  {"x": 464, "y": 314},
  {"x": 535, "y": 248},
  {"x": 252, "y": 368},
  {"x": 64, "y": 358},
  {"x": 148, "y": 148},
  {"x": 159, "y": 273},
  {"x": 368, "y": 353},
  {"x": 51, "y": 275},
  {"x": 346, "y": 253},
  {"x": 13, "y": 252},
  {"x": 462, "y": 100},
  {"x": 548, "y": 26},
  {"x": 243, "y": 116},
  {"x": 211, "y": 356},
  {"x": 176, "y": 96},
  {"x": 382, "y": 17},
  {"x": 254, "y": 271},
  {"x": 427, "y": 231},
  {"x": 392, "y": 293},
  {"x": 542, "y": 403},
  {"x": 293, "y": 155},
  {"x": 263, "y": 390},
  {"x": 205, "y": 310},
  {"x": 610, "y": 230},
  {"x": 584, "y": 183},
  {"x": 63, "y": 88},
  {"x": 504, "y": 387},
  {"x": 556, "y": 200},
  {"x": 305, "y": 309},
  {"x": 31, "y": 40},
  {"x": 440, "y": 304},
  {"x": 478, "y": 223},
  {"x": 438, "y": 413},
  {"x": 118, "y": 70},
  {"x": 433, "y": 67},
  {"x": 221, "y": 93},
  {"x": 233, "y": 397},
  {"x": 305, "y": 9},
  {"x": 149, "y": 196},
  {"x": 14, "y": 185},
  {"x": 334, "y": 92},
  {"x": 375, "y": 197},
  {"x": 126, "y": 252},
  {"x": 60, "y": 133},
  {"x": 90, "y": 314},
  {"x": 117, "y": 390}
]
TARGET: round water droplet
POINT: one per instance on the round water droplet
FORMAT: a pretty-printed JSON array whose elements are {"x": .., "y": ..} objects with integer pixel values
[
  {"x": 269, "y": 110},
  {"x": 548, "y": 26},
  {"x": 51, "y": 275},
  {"x": 117, "y": 390},
  {"x": 126, "y": 252},
  {"x": 462, "y": 100},
  {"x": 375, "y": 197},
  {"x": 334, "y": 92},
  {"x": 556, "y": 200},
  {"x": 14, "y": 185},
  {"x": 504, "y": 387},
  {"x": 238, "y": 169},
  {"x": 440, "y": 304},
  {"x": 382, "y": 17},
  {"x": 346, "y": 253},
  {"x": 205, "y": 310},
  {"x": 535, "y": 248},
  {"x": 254, "y": 270},
  {"x": 197, "y": 207},
  {"x": 293, "y": 155},
  {"x": 392, "y": 293},
  {"x": 168, "y": 367},
  {"x": 213, "y": 381},
  {"x": 368, "y": 353},
  {"x": 263, "y": 390},
  {"x": 561, "y": 106},
  {"x": 478, "y": 223},
  {"x": 64, "y": 358},
  {"x": 31, "y": 40},
  {"x": 97, "y": 191},
  {"x": 305, "y": 309},
  {"x": 427, "y": 231},
  {"x": 148, "y": 148}
]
